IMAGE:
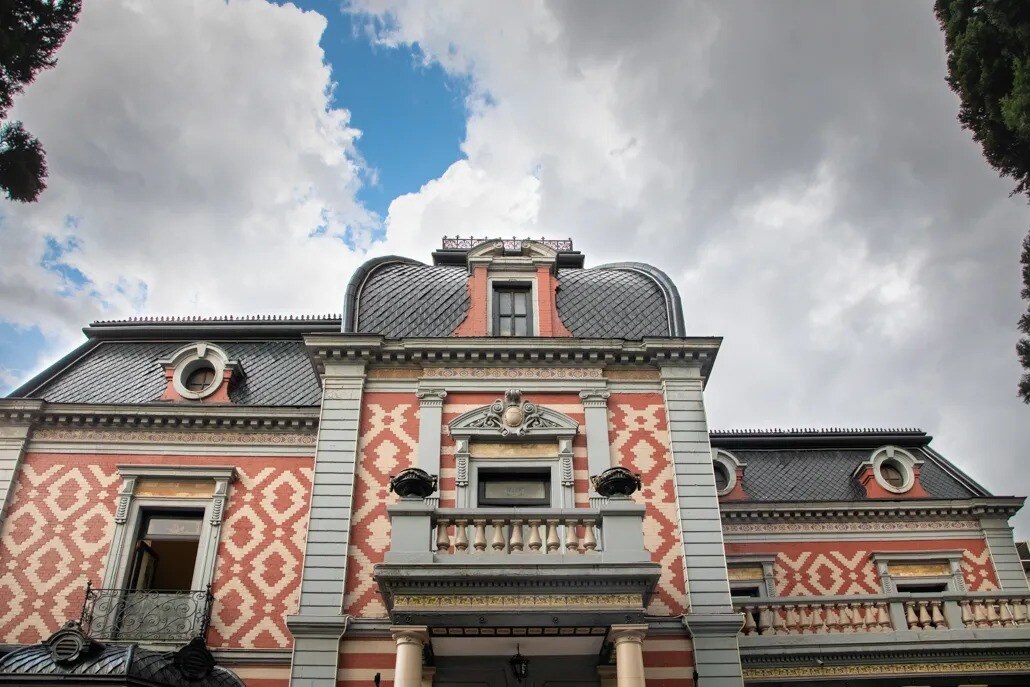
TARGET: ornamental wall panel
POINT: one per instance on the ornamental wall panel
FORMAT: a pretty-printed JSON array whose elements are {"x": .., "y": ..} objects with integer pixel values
[
  {"x": 387, "y": 443},
  {"x": 639, "y": 436},
  {"x": 61, "y": 520},
  {"x": 845, "y": 567}
]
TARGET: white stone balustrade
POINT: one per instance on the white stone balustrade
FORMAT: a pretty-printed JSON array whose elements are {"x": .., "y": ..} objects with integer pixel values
[
  {"x": 516, "y": 533},
  {"x": 809, "y": 616},
  {"x": 612, "y": 533},
  {"x": 995, "y": 611},
  {"x": 888, "y": 613}
]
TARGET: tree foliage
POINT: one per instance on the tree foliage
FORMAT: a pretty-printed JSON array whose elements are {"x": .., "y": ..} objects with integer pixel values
[
  {"x": 31, "y": 31},
  {"x": 988, "y": 45}
]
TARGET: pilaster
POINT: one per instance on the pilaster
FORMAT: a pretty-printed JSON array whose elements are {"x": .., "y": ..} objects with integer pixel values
[
  {"x": 320, "y": 622},
  {"x": 1007, "y": 565},
  {"x": 16, "y": 418},
  {"x": 599, "y": 459},
  {"x": 430, "y": 419},
  {"x": 711, "y": 619}
]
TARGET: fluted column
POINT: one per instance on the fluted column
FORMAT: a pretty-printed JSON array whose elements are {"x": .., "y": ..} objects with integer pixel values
[
  {"x": 408, "y": 667},
  {"x": 629, "y": 654}
]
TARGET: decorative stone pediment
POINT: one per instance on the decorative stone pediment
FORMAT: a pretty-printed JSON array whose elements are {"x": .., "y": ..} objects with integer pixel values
[{"x": 513, "y": 417}]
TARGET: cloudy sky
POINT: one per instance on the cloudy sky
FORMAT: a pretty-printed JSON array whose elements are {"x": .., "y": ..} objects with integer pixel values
[{"x": 795, "y": 167}]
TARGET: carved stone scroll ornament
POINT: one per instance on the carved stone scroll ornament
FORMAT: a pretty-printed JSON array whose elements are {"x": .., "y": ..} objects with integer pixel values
[{"x": 512, "y": 416}]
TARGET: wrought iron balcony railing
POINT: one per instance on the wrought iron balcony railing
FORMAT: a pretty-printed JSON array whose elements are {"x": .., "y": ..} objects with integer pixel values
[
  {"x": 512, "y": 244},
  {"x": 146, "y": 616}
]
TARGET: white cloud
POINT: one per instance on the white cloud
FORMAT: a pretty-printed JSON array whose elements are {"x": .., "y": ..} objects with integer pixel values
[
  {"x": 196, "y": 148},
  {"x": 797, "y": 169}
]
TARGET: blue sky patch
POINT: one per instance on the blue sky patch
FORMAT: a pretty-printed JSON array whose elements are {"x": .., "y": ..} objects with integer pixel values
[{"x": 412, "y": 116}]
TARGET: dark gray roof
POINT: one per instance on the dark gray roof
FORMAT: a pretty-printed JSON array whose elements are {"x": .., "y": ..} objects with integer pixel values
[
  {"x": 405, "y": 298},
  {"x": 122, "y": 664},
  {"x": 819, "y": 465},
  {"x": 398, "y": 297},
  {"x": 827, "y": 475},
  {"x": 276, "y": 373}
]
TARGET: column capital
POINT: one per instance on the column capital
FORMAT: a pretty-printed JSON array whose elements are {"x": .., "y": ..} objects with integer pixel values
[
  {"x": 595, "y": 398},
  {"x": 410, "y": 634},
  {"x": 431, "y": 397},
  {"x": 621, "y": 634}
]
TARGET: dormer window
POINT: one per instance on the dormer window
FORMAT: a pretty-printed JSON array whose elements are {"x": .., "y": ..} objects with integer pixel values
[{"x": 512, "y": 309}]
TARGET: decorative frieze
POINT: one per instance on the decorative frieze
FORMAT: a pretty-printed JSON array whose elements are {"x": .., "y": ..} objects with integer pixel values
[
  {"x": 115, "y": 436},
  {"x": 856, "y": 670},
  {"x": 404, "y": 602},
  {"x": 513, "y": 372}
]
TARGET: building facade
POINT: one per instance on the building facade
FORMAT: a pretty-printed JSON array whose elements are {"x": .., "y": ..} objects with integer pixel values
[{"x": 405, "y": 496}]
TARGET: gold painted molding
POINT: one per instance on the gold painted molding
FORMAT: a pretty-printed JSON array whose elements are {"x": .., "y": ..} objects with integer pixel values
[
  {"x": 964, "y": 667},
  {"x": 517, "y": 601},
  {"x": 172, "y": 437},
  {"x": 496, "y": 449},
  {"x": 513, "y": 372}
]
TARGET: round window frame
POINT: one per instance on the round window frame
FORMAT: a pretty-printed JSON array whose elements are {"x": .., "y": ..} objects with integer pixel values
[
  {"x": 192, "y": 358},
  {"x": 726, "y": 461},
  {"x": 902, "y": 460}
]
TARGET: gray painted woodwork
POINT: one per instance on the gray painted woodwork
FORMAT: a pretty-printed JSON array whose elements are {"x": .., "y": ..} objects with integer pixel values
[
  {"x": 998, "y": 534},
  {"x": 711, "y": 619},
  {"x": 599, "y": 459},
  {"x": 430, "y": 421},
  {"x": 320, "y": 623},
  {"x": 15, "y": 430}
]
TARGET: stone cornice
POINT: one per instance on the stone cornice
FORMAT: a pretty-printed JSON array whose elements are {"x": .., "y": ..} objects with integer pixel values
[
  {"x": 158, "y": 416},
  {"x": 329, "y": 348},
  {"x": 750, "y": 511}
]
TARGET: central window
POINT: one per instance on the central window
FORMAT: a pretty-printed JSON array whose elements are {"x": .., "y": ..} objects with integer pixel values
[
  {"x": 514, "y": 487},
  {"x": 513, "y": 315}
]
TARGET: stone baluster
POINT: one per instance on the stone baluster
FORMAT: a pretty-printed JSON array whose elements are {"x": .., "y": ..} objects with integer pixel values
[
  {"x": 937, "y": 617},
  {"x": 571, "y": 540},
  {"x": 779, "y": 621},
  {"x": 461, "y": 537},
  {"x": 979, "y": 613},
  {"x": 1005, "y": 611},
  {"x": 847, "y": 622},
  {"x": 497, "y": 541},
  {"x": 443, "y": 542},
  {"x": 750, "y": 627},
  {"x": 858, "y": 616},
  {"x": 515, "y": 544},
  {"x": 479, "y": 539},
  {"x": 819, "y": 620},
  {"x": 832, "y": 619},
  {"x": 1019, "y": 617},
  {"x": 883, "y": 617},
  {"x": 534, "y": 535},
  {"x": 967, "y": 613},
  {"x": 805, "y": 624},
  {"x": 910, "y": 615},
  {"x": 589, "y": 536},
  {"x": 925, "y": 622},
  {"x": 869, "y": 617},
  {"x": 552, "y": 536},
  {"x": 792, "y": 620},
  {"x": 992, "y": 613},
  {"x": 765, "y": 621}
]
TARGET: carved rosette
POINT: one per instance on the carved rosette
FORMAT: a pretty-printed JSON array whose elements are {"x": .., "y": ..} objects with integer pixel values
[{"x": 512, "y": 416}]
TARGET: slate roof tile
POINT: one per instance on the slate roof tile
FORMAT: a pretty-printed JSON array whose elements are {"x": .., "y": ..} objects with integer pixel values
[
  {"x": 826, "y": 475},
  {"x": 276, "y": 373}
]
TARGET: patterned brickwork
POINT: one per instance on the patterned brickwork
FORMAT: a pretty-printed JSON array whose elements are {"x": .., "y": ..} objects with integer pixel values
[
  {"x": 668, "y": 662},
  {"x": 388, "y": 441},
  {"x": 61, "y": 519},
  {"x": 845, "y": 567},
  {"x": 639, "y": 436},
  {"x": 361, "y": 659}
]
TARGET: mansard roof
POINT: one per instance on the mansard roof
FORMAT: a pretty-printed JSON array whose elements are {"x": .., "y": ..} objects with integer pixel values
[
  {"x": 120, "y": 362},
  {"x": 399, "y": 297},
  {"x": 819, "y": 464}
]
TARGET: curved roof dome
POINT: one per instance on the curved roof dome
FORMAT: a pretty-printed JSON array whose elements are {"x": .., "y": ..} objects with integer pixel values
[{"x": 399, "y": 297}]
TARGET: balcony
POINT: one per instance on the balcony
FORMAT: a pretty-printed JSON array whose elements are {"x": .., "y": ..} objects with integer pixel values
[
  {"x": 879, "y": 614},
  {"x": 150, "y": 616},
  {"x": 487, "y": 567}
]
